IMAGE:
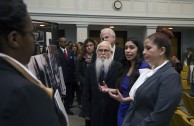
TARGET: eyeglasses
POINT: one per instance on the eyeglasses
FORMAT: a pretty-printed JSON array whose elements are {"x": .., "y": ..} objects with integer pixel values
[
  {"x": 105, "y": 38},
  {"x": 103, "y": 50}
]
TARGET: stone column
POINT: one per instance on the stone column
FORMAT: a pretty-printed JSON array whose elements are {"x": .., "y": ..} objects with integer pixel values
[
  {"x": 82, "y": 32},
  {"x": 150, "y": 30}
]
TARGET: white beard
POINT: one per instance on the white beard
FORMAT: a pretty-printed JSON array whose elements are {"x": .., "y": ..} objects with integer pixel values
[{"x": 100, "y": 63}]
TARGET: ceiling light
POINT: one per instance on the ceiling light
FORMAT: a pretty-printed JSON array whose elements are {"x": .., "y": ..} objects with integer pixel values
[
  {"x": 42, "y": 25},
  {"x": 112, "y": 27}
]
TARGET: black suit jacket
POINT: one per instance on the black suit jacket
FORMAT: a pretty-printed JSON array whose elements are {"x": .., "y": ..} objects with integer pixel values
[
  {"x": 67, "y": 65},
  {"x": 156, "y": 99},
  {"x": 100, "y": 107},
  {"x": 23, "y": 103},
  {"x": 118, "y": 54},
  {"x": 81, "y": 69}
]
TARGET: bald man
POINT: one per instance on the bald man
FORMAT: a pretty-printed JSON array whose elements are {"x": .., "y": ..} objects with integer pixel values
[{"x": 107, "y": 34}]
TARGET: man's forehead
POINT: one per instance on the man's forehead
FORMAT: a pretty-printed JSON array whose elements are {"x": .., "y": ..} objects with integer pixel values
[
  {"x": 106, "y": 34},
  {"x": 104, "y": 46},
  {"x": 63, "y": 39}
]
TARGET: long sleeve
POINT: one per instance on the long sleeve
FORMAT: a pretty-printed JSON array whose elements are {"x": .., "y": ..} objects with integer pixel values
[
  {"x": 29, "y": 106},
  {"x": 79, "y": 71},
  {"x": 166, "y": 103},
  {"x": 87, "y": 94}
]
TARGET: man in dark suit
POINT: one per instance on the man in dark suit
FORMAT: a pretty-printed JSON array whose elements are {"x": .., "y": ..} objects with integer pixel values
[
  {"x": 107, "y": 34},
  {"x": 24, "y": 101},
  {"x": 67, "y": 62},
  {"x": 99, "y": 107}
]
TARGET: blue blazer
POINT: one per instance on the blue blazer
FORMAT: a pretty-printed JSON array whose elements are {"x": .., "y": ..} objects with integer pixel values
[{"x": 156, "y": 99}]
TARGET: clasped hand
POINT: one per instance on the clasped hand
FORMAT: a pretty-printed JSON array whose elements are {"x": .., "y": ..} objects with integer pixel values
[{"x": 114, "y": 93}]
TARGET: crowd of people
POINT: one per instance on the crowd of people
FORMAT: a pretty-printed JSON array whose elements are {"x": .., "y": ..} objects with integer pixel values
[
  {"x": 127, "y": 86},
  {"x": 138, "y": 85}
]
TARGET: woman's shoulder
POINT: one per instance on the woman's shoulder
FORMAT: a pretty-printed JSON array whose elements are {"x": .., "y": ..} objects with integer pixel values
[{"x": 144, "y": 64}]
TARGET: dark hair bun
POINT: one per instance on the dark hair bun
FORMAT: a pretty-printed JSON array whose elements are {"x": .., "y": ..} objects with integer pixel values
[{"x": 167, "y": 32}]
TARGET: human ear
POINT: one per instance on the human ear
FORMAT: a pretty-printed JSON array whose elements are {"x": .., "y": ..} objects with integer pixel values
[
  {"x": 162, "y": 50},
  {"x": 13, "y": 39}
]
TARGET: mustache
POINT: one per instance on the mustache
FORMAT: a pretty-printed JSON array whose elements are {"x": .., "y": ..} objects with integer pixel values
[{"x": 103, "y": 56}]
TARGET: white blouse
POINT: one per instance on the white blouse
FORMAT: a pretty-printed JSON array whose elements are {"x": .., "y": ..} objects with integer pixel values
[{"x": 144, "y": 74}]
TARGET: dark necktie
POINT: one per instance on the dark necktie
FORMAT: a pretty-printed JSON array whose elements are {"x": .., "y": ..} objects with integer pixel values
[{"x": 102, "y": 76}]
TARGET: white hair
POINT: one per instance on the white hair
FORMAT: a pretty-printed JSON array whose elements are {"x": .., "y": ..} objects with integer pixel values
[
  {"x": 103, "y": 62},
  {"x": 109, "y": 30},
  {"x": 108, "y": 45}
]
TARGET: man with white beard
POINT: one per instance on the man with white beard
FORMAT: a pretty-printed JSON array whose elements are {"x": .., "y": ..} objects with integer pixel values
[
  {"x": 102, "y": 64},
  {"x": 99, "y": 107}
]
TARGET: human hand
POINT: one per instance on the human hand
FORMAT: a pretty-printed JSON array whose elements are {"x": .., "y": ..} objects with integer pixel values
[
  {"x": 177, "y": 61},
  {"x": 116, "y": 95},
  {"x": 103, "y": 87}
]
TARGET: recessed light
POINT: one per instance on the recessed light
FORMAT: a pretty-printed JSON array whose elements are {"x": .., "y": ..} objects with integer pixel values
[
  {"x": 170, "y": 28},
  {"x": 42, "y": 25},
  {"x": 112, "y": 27}
]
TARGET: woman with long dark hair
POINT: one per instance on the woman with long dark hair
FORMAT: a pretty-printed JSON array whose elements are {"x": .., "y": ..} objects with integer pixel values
[
  {"x": 85, "y": 57},
  {"x": 131, "y": 62}
]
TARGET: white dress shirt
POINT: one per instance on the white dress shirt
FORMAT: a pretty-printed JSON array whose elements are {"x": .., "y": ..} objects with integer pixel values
[{"x": 144, "y": 74}]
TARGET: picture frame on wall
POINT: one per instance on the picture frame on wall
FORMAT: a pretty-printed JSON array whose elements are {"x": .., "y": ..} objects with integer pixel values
[{"x": 39, "y": 36}]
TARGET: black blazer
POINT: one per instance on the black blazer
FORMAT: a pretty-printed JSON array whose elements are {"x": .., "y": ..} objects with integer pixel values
[
  {"x": 23, "y": 103},
  {"x": 118, "y": 54},
  {"x": 156, "y": 99},
  {"x": 67, "y": 65},
  {"x": 81, "y": 68},
  {"x": 100, "y": 107}
]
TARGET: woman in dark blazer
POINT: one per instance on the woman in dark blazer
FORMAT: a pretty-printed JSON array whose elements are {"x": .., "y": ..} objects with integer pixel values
[
  {"x": 86, "y": 56},
  {"x": 158, "y": 96}
]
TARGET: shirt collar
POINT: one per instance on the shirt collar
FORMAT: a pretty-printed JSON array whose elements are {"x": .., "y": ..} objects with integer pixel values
[
  {"x": 4, "y": 56},
  {"x": 113, "y": 48},
  {"x": 63, "y": 49}
]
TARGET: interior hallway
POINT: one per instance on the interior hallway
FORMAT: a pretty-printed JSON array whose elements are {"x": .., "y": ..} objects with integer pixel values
[{"x": 75, "y": 120}]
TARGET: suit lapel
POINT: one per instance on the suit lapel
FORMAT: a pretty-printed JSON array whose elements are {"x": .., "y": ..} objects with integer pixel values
[
  {"x": 155, "y": 75},
  {"x": 61, "y": 52},
  {"x": 116, "y": 52},
  {"x": 110, "y": 71},
  {"x": 68, "y": 55},
  {"x": 101, "y": 77}
]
